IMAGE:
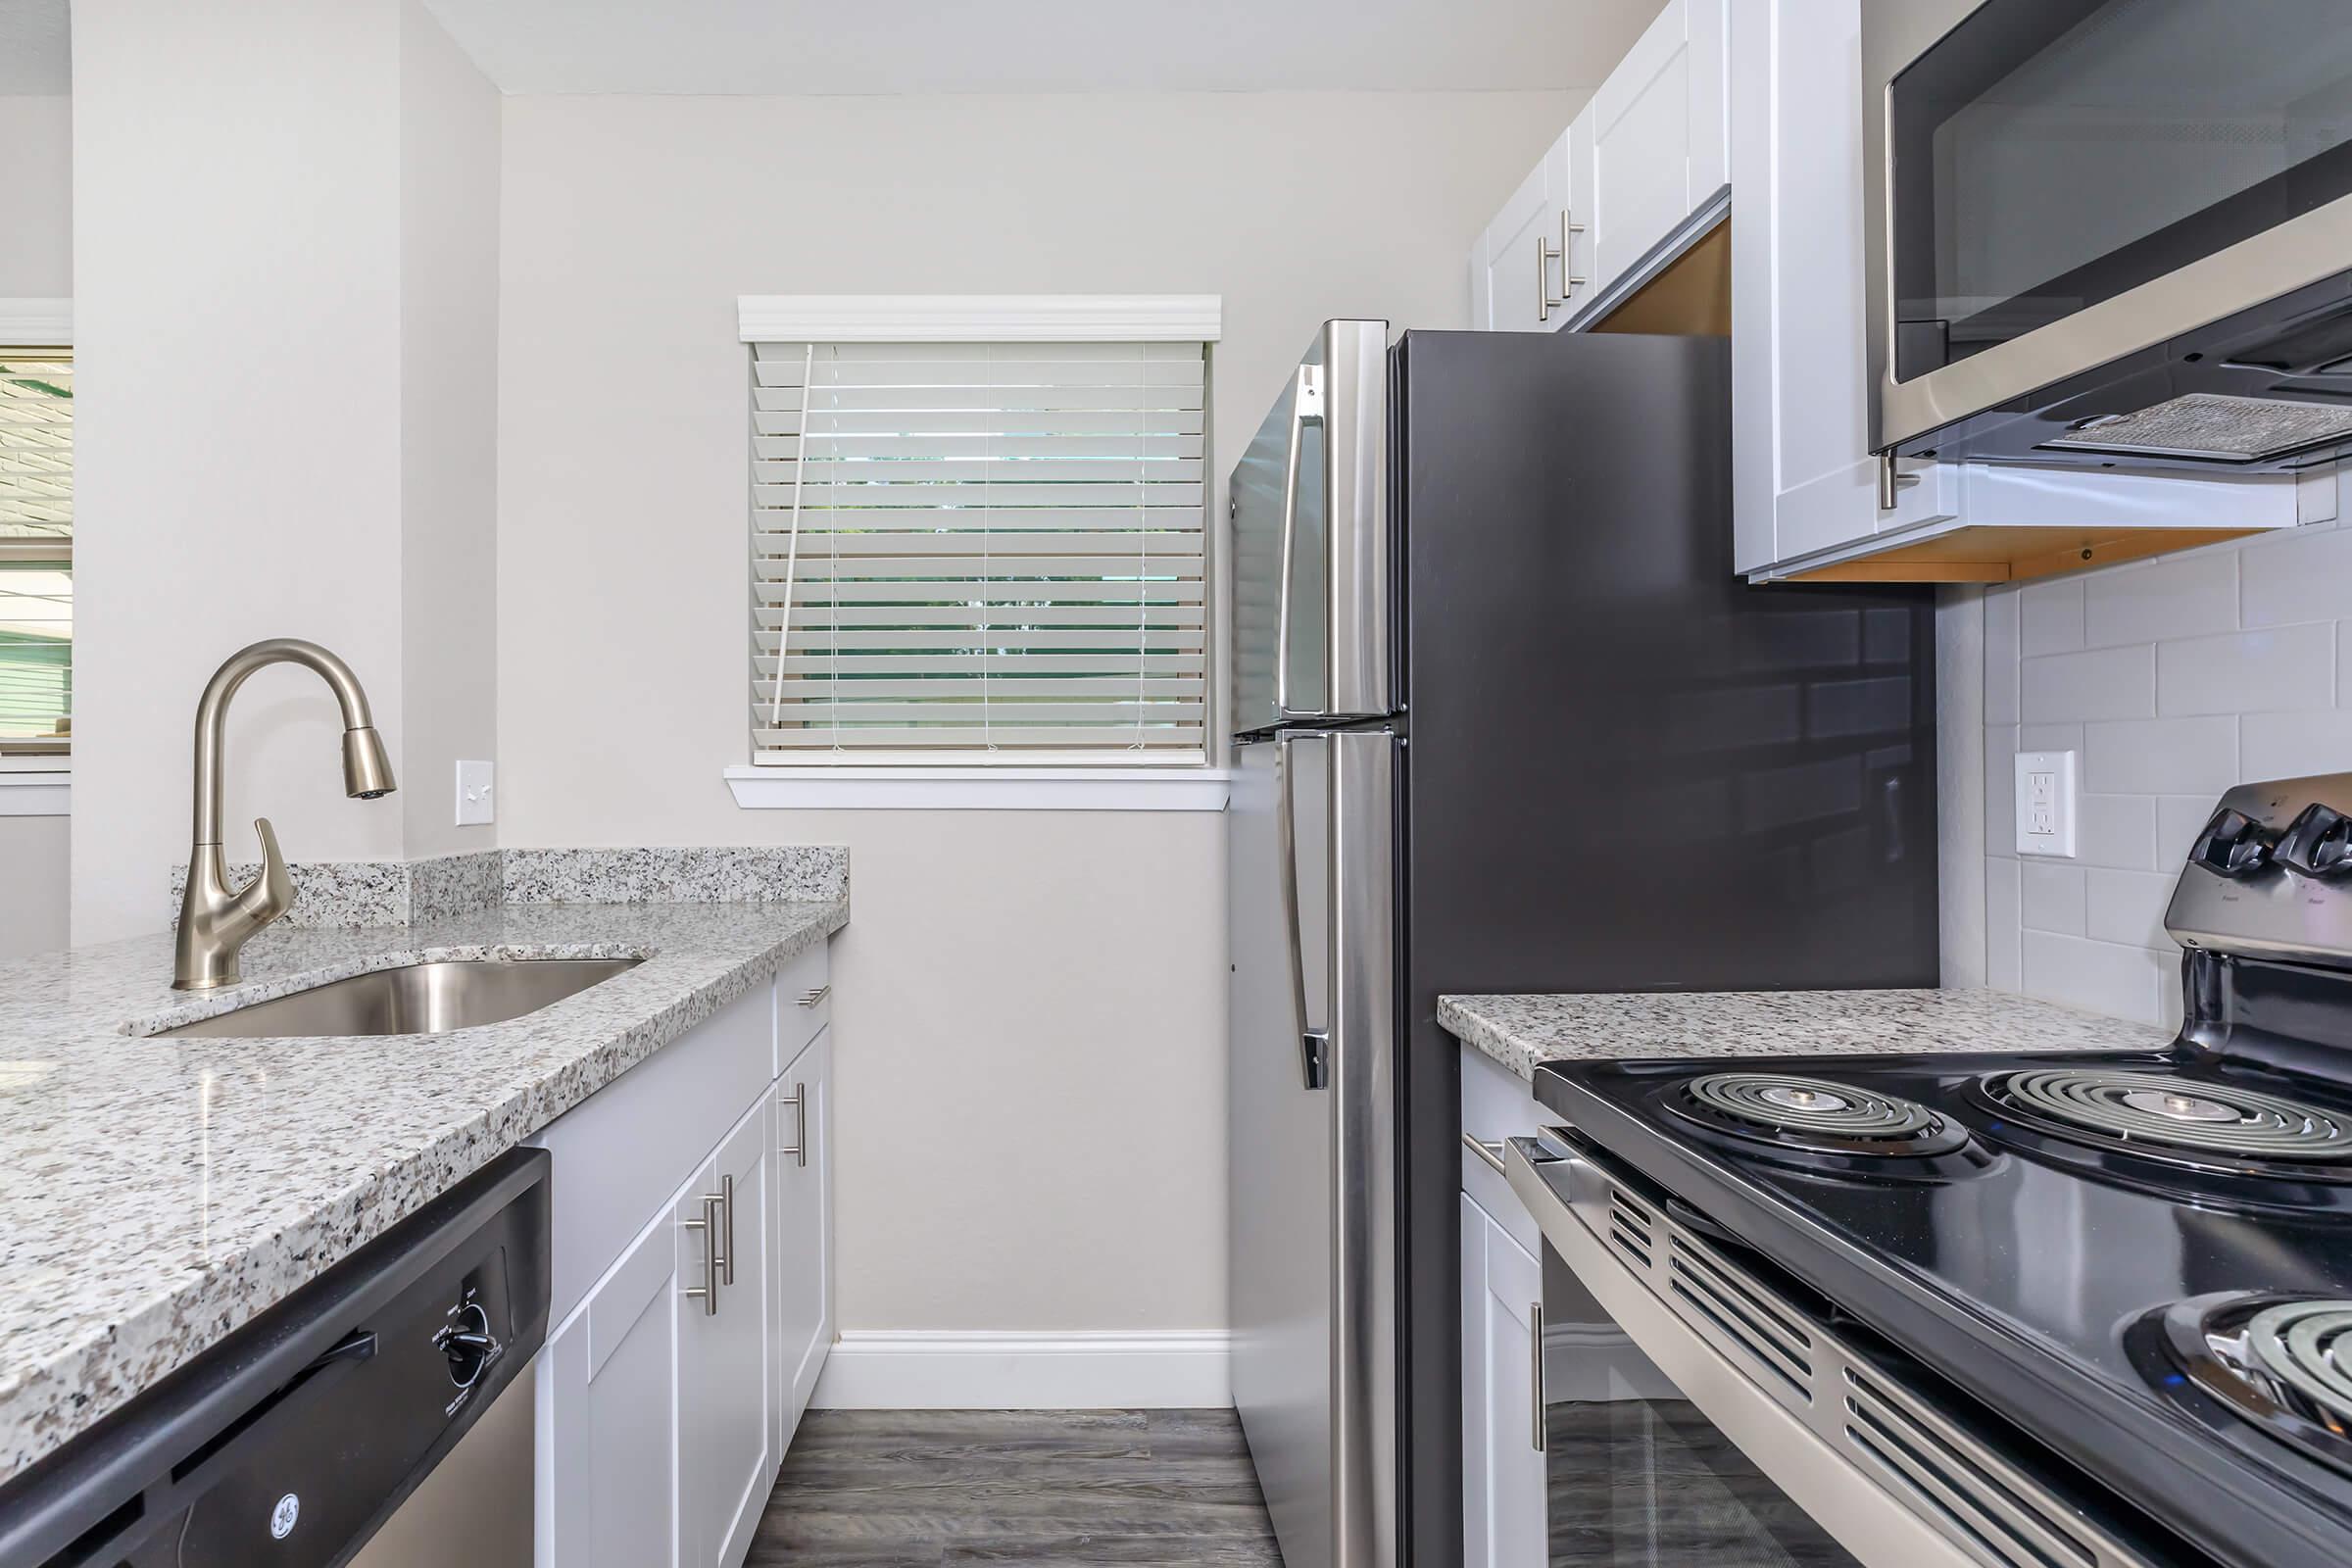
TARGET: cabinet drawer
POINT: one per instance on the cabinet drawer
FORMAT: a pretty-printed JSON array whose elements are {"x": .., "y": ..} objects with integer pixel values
[
  {"x": 619, "y": 1154},
  {"x": 803, "y": 1004}
]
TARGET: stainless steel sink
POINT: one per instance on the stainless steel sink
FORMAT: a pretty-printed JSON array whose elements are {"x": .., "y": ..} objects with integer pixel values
[{"x": 415, "y": 999}]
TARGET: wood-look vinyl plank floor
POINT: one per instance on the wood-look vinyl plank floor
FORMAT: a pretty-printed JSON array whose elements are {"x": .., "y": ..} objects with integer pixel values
[{"x": 1055, "y": 1488}]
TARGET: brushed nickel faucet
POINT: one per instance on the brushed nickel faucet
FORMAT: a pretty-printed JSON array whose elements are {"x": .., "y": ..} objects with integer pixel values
[{"x": 214, "y": 922}]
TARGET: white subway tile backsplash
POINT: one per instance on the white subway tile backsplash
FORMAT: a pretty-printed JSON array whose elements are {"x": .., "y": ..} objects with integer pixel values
[
  {"x": 2000, "y": 789},
  {"x": 2052, "y": 617},
  {"x": 2161, "y": 757},
  {"x": 2116, "y": 830},
  {"x": 2001, "y": 654},
  {"x": 2293, "y": 577},
  {"x": 2002, "y": 925},
  {"x": 2175, "y": 680},
  {"x": 2103, "y": 683},
  {"x": 2051, "y": 897},
  {"x": 2275, "y": 670},
  {"x": 2103, "y": 976},
  {"x": 2186, "y": 596},
  {"x": 2180, "y": 818},
  {"x": 2291, "y": 745},
  {"x": 2127, "y": 907}
]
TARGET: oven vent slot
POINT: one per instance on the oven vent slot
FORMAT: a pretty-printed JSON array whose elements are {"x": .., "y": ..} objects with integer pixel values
[
  {"x": 1743, "y": 1317},
  {"x": 1631, "y": 1229},
  {"x": 1945, "y": 1482}
]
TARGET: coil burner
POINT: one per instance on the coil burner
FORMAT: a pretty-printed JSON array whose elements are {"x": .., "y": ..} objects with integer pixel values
[
  {"x": 2285, "y": 1365},
  {"x": 1815, "y": 1114},
  {"x": 2176, "y": 1118}
]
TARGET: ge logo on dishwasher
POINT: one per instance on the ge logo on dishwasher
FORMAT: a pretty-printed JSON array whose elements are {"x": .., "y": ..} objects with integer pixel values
[{"x": 282, "y": 1517}]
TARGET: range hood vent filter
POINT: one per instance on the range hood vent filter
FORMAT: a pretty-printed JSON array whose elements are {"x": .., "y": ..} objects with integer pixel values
[{"x": 2212, "y": 427}]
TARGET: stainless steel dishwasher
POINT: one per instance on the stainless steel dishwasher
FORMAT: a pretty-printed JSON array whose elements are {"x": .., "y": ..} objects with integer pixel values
[{"x": 299, "y": 1435}]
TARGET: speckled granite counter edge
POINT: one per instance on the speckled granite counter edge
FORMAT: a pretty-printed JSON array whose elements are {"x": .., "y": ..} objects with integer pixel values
[{"x": 1522, "y": 1032}]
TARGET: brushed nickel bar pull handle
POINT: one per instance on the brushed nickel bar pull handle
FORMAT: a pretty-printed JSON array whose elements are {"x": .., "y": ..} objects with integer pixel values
[
  {"x": 810, "y": 998},
  {"x": 1492, "y": 1154},
  {"x": 1892, "y": 481},
  {"x": 707, "y": 1292},
  {"x": 726, "y": 1188},
  {"x": 798, "y": 1099},
  {"x": 1544, "y": 300},
  {"x": 1535, "y": 1319}
]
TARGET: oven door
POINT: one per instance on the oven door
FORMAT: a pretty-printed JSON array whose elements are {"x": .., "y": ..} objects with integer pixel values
[
  {"x": 2054, "y": 185},
  {"x": 1694, "y": 1413}
]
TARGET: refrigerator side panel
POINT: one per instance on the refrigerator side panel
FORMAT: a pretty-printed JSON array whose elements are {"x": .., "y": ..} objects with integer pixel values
[
  {"x": 1629, "y": 769},
  {"x": 1281, "y": 1160}
]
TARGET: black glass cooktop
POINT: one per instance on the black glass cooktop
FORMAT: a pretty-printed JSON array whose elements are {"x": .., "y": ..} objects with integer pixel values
[{"x": 2023, "y": 1225}]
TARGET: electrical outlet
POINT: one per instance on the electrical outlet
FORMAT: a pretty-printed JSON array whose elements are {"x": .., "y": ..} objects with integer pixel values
[
  {"x": 2045, "y": 804},
  {"x": 476, "y": 805}
]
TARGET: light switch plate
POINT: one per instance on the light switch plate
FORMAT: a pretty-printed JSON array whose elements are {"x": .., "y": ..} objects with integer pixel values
[
  {"x": 2045, "y": 804},
  {"x": 475, "y": 802}
]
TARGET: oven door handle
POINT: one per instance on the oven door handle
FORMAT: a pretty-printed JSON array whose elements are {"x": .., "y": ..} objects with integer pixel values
[{"x": 1544, "y": 1179}]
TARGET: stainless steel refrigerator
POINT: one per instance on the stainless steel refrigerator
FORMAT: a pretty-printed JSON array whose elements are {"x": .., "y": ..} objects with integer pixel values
[{"x": 1505, "y": 721}]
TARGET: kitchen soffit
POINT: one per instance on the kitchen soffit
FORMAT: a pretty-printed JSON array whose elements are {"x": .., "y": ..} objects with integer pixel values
[{"x": 797, "y": 46}]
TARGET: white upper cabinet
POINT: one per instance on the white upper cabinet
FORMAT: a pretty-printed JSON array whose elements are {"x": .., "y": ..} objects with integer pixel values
[
  {"x": 1802, "y": 475},
  {"x": 1516, "y": 274},
  {"x": 1636, "y": 177},
  {"x": 1659, "y": 155}
]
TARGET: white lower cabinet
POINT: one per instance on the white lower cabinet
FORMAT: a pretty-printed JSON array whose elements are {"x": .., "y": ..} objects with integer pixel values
[
  {"x": 608, "y": 1436},
  {"x": 804, "y": 1250},
  {"x": 1504, "y": 1514},
  {"x": 680, "y": 1367},
  {"x": 727, "y": 1435}
]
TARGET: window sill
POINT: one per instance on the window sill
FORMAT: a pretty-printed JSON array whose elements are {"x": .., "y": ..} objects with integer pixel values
[
  {"x": 30, "y": 790},
  {"x": 980, "y": 789}
]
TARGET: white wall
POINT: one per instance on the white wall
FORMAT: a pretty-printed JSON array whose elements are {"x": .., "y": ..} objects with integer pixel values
[
  {"x": 36, "y": 261},
  {"x": 1029, "y": 1009},
  {"x": 36, "y": 177},
  {"x": 244, "y": 260},
  {"x": 2174, "y": 678},
  {"x": 449, "y": 130}
]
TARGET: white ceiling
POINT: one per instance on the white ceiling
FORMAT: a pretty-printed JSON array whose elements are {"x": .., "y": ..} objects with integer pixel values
[
  {"x": 933, "y": 46},
  {"x": 32, "y": 48}
]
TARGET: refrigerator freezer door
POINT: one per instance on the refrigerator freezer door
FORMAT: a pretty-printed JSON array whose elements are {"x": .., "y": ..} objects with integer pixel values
[
  {"x": 1313, "y": 1158},
  {"x": 1313, "y": 605}
]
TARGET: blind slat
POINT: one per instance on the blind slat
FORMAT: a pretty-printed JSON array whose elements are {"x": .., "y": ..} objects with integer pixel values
[{"x": 978, "y": 546}]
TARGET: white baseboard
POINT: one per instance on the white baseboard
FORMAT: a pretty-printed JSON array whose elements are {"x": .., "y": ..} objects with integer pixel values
[{"x": 901, "y": 1369}]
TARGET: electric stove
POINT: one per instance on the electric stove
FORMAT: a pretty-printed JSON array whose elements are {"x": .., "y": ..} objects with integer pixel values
[{"x": 2138, "y": 1264}]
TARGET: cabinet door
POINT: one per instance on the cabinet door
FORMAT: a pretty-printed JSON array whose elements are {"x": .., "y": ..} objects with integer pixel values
[
  {"x": 1642, "y": 146},
  {"x": 1518, "y": 271},
  {"x": 607, "y": 1419},
  {"x": 1478, "y": 1549},
  {"x": 1515, "y": 1508},
  {"x": 803, "y": 1268},
  {"x": 1802, "y": 477},
  {"x": 726, "y": 1453}
]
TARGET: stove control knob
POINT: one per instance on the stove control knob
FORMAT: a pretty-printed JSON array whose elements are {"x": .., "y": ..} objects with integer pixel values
[
  {"x": 2319, "y": 843},
  {"x": 468, "y": 1343},
  {"x": 2232, "y": 844}
]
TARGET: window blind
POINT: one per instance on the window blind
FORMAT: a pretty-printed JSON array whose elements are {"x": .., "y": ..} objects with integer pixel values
[
  {"x": 36, "y": 550},
  {"x": 978, "y": 548}
]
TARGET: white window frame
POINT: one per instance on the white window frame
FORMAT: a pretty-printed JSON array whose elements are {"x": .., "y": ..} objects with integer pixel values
[
  {"x": 37, "y": 785},
  {"x": 866, "y": 781}
]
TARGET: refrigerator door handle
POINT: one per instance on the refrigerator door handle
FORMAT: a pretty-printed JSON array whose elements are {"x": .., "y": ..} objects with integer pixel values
[
  {"x": 1306, "y": 408},
  {"x": 1314, "y": 1045}
]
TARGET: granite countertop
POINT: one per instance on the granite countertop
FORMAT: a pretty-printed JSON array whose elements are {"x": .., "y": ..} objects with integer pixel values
[
  {"x": 156, "y": 1193},
  {"x": 1522, "y": 1031}
]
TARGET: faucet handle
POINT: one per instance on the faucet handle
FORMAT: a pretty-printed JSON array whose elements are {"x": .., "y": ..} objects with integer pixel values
[{"x": 271, "y": 893}]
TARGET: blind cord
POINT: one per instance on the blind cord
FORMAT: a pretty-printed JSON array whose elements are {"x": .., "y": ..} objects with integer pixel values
[{"x": 792, "y": 554}]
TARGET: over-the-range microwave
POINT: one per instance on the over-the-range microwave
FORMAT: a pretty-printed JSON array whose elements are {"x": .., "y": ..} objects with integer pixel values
[{"x": 2110, "y": 232}]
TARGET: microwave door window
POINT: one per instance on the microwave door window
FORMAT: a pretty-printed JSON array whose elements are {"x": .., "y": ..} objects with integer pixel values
[
  {"x": 1635, "y": 1475},
  {"x": 2051, "y": 154}
]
